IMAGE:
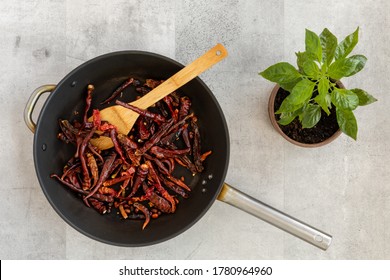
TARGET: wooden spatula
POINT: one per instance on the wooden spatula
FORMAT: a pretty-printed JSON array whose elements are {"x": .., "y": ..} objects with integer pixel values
[{"x": 124, "y": 118}]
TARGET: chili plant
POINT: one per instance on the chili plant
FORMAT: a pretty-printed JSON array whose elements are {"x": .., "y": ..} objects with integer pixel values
[{"x": 312, "y": 85}]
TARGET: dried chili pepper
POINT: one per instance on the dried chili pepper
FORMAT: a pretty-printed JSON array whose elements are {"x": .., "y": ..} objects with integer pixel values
[
  {"x": 70, "y": 169},
  {"x": 88, "y": 102},
  {"x": 185, "y": 105},
  {"x": 144, "y": 210},
  {"x": 100, "y": 197},
  {"x": 142, "y": 172},
  {"x": 187, "y": 163},
  {"x": 143, "y": 131},
  {"x": 103, "y": 174},
  {"x": 117, "y": 180},
  {"x": 155, "y": 117},
  {"x": 98, "y": 205},
  {"x": 169, "y": 101},
  {"x": 196, "y": 146},
  {"x": 167, "y": 134},
  {"x": 118, "y": 91},
  {"x": 159, "y": 187},
  {"x": 98, "y": 123},
  {"x": 186, "y": 137},
  {"x": 161, "y": 203},
  {"x": 173, "y": 136},
  {"x": 142, "y": 90},
  {"x": 114, "y": 139},
  {"x": 86, "y": 183},
  {"x": 152, "y": 83},
  {"x": 122, "y": 211},
  {"x": 94, "y": 150},
  {"x": 93, "y": 168},
  {"x": 126, "y": 141},
  {"x": 205, "y": 155},
  {"x": 155, "y": 138},
  {"x": 173, "y": 187},
  {"x": 159, "y": 164},
  {"x": 179, "y": 182},
  {"x": 107, "y": 190},
  {"x": 165, "y": 153},
  {"x": 68, "y": 130}
]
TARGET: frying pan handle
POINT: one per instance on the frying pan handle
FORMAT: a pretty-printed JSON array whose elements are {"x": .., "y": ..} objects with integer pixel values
[
  {"x": 32, "y": 101},
  {"x": 275, "y": 217}
]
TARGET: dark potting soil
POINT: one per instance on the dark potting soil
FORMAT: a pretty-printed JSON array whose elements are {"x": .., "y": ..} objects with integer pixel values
[{"x": 325, "y": 128}]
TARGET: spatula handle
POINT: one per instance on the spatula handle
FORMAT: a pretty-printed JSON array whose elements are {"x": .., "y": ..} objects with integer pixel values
[{"x": 182, "y": 77}]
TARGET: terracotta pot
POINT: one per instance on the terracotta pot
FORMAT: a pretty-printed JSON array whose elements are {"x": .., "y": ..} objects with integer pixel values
[{"x": 275, "y": 124}]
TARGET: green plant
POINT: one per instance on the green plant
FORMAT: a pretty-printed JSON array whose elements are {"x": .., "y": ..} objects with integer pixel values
[{"x": 313, "y": 86}]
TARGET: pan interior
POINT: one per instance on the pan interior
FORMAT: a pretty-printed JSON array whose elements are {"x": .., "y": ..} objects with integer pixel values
[{"x": 106, "y": 73}]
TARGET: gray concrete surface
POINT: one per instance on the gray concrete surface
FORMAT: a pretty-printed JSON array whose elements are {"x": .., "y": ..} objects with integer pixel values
[{"x": 342, "y": 188}]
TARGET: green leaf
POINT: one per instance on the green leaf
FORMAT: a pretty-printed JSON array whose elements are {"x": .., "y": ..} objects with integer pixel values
[
  {"x": 286, "y": 118},
  {"x": 282, "y": 73},
  {"x": 347, "y": 45},
  {"x": 364, "y": 97},
  {"x": 311, "y": 69},
  {"x": 346, "y": 67},
  {"x": 299, "y": 95},
  {"x": 301, "y": 59},
  {"x": 290, "y": 85},
  {"x": 323, "y": 98},
  {"x": 311, "y": 116},
  {"x": 313, "y": 45},
  {"x": 329, "y": 44},
  {"x": 345, "y": 99},
  {"x": 287, "y": 106},
  {"x": 347, "y": 122},
  {"x": 302, "y": 92},
  {"x": 360, "y": 61}
]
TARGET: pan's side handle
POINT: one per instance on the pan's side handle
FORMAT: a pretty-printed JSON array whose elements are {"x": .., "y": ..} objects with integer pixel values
[
  {"x": 275, "y": 217},
  {"x": 32, "y": 101}
]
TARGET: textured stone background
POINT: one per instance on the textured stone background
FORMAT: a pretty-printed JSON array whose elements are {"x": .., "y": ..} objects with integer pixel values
[{"x": 342, "y": 188}]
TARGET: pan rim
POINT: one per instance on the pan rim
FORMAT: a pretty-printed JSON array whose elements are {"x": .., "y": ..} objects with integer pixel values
[{"x": 69, "y": 221}]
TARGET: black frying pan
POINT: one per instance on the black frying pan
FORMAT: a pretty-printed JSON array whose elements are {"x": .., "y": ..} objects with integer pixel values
[{"x": 106, "y": 73}]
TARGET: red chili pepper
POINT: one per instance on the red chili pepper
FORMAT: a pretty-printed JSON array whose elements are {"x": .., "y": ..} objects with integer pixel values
[
  {"x": 118, "y": 91},
  {"x": 126, "y": 141},
  {"x": 100, "y": 197},
  {"x": 94, "y": 174},
  {"x": 162, "y": 153},
  {"x": 142, "y": 172},
  {"x": 173, "y": 187},
  {"x": 114, "y": 139},
  {"x": 196, "y": 146},
  {"x": 93, "y": 168},
  {"x": 160, "y": 203},
  {"x": 103, "y": 174},
  {"x": 143, "y": 131},
  {"x": 159, "y": 187},
  {"x": 185, "y": 106},
  {"x": 88, "y": 102},
  {"x": 144, "y": 210},
  {"x": 155, "y": 138},
  {"x": 155, "y": 117},
  {"x": 86, "y": 183}
]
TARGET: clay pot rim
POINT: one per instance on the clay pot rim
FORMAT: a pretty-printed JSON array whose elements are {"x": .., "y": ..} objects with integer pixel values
[{"x": 271, "y": 113}]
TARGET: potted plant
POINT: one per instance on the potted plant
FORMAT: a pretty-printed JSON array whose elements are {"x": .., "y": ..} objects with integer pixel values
[{"x": 309, "y": 105}]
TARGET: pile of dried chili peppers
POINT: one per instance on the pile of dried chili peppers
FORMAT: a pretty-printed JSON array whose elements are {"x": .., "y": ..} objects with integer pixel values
[{"x": 136, "y": 175}]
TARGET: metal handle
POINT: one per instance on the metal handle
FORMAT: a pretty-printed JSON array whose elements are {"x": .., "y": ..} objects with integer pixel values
[
  {"x": 275, "y": 217},
  {"x": 32, "y": 101}
]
